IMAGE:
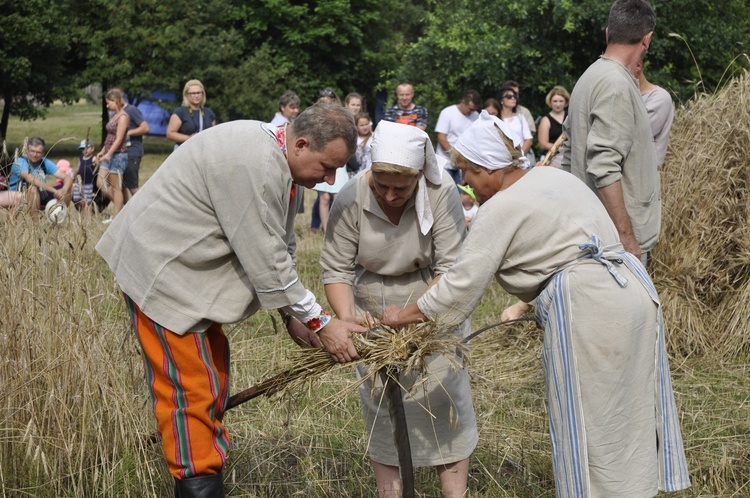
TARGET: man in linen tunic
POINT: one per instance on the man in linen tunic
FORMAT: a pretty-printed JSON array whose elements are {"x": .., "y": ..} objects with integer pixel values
[
  {"x": 613, "y": 420},
  {"x": 610, "y": 146},
  {"x": 209, "y": 240}
]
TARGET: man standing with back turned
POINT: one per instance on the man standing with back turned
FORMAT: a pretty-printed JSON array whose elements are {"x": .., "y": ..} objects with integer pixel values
[
  {"x": 609, "y": 144},
  {"x": 209, "y": 240}
]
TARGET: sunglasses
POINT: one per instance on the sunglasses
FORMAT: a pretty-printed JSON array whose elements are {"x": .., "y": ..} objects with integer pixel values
[
  {"x": 327, "y": 93},
  {"x": 510, "y": 96}
]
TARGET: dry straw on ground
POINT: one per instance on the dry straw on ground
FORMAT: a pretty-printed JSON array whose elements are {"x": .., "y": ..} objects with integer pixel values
[{"x": 702, "y": 262}]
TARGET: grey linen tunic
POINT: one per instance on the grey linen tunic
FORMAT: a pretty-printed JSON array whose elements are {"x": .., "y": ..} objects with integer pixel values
[
  {"x": 210, "y": 237},
  {"x": 610, "y": 140},
  {"x": 393, "y": 264},
  {"x": 608, "y": 384}
]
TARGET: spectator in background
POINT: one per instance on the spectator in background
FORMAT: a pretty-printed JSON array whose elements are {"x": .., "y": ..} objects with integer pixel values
[
  {"x": 192, "y": 116},
  {"x": 550, "y": 126},
  {"x": 288, "y": 109},
  {"x": 83, "y": 191},
  {"x": 113, "y": 158},
  {"x": 354, "y": 102},
  {"x": 453, "y": 120},
  {"x": 517, "y": 124},
  {"x": 492, "y": 106},
  {"x": 29, "y": 172},
  {"x": 8, "y": 199},
  {"x": 364, "y": 141},
  {"x": 406, "y": 111},
  {"x": 513, "y": 85},
  {"x": 134, "y": 144},
  {"x": 468, "y": 203},
  {"x": 523, "y": 111},
  {"x": 660, "y": 113},
  {"x": 327, "y": 191}
]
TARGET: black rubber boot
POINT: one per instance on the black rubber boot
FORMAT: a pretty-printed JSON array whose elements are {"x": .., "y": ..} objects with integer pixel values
[{"x": 200, "y": 487}]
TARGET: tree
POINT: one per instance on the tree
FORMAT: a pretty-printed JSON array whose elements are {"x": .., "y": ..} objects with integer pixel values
[
  {"x": 542, "y": 43},
  {"x": 304, "y": 47},
  {"x": 143, "y": 46},
  {"x": 37, "y": 58}
]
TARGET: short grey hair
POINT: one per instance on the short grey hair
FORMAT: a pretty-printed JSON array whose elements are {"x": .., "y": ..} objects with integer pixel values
[
  {"x": 629, "y": 21},
  {"x": 322, "y": 123},
  {"x": 35, "y": 141},
  {"x": 288, "y": 98}
]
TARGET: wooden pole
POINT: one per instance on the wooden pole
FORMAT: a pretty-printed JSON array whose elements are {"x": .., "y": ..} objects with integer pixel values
[{"x": 555, "y": 147}]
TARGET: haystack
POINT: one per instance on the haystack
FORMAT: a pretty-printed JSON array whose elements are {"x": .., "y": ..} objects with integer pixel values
[{"x": 701, "y": 265}]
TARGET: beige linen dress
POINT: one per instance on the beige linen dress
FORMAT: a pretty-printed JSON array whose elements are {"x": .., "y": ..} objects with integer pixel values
[
  {"x": 393, "y": 264},
  {"x": 612, "y": 414}
]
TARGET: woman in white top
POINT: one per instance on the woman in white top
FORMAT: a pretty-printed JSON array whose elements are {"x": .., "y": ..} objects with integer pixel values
[{"x": 517, "y": 124}]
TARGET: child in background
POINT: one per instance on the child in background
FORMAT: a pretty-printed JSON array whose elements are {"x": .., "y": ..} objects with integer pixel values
[
  {"x": 83, "y": 190},
  {"x": 469, "y": 203},
  {"x": 364, "y": 141},
  {"x": 64, "y": 166}
]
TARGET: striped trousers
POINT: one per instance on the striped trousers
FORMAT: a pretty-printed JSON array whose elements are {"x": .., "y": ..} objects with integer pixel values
[{"x": 188, "y": 377}]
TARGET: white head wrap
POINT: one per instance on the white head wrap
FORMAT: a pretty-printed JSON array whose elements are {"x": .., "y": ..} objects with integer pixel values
[
  {"x": 481, "y": 144},
  {"x": 410, "y": 147}
]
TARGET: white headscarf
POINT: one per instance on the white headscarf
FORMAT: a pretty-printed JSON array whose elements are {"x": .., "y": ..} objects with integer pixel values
[
  {"x": 410, "y": 147},
  {"x": 481, "y": 144}
]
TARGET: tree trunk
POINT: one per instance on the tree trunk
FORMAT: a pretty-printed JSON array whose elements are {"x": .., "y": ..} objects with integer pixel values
[{"x": 6, "y": 116}]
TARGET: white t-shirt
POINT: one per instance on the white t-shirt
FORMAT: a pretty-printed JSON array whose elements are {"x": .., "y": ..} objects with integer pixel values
[
  {"x": 519, "y": 128},
  {"x": 471, "y": 212},
  {"x": 452, "y": 122}
]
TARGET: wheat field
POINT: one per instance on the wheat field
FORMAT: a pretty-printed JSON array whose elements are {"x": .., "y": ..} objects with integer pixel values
[{"x": 75, "y": 413}]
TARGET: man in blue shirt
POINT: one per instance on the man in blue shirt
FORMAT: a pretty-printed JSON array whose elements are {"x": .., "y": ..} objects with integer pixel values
[{"x": 29, "y": 173}]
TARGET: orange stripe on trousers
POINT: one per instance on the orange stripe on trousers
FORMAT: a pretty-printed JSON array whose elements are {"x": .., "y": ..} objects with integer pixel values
[{"x": 188, "y": 376}]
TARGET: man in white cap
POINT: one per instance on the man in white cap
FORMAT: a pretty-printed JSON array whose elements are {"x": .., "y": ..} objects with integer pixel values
[
  {"x": 546, "y": 238},
  {"x": 394, "y": 230}
]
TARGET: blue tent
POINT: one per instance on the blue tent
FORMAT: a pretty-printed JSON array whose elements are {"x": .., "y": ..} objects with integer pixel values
[{"x": 156, "y": 116}]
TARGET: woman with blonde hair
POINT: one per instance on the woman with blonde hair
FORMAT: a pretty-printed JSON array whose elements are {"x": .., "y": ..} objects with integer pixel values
[
  {"x": 192, "y": 116},
  {"x": 393, "y": 231},
  {"x": 113, "y": 158},
  {"x": 550, "y": 126}
]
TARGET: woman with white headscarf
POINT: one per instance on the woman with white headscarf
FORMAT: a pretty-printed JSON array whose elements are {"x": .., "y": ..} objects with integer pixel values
[
  {"x": 393, "y": 231},
  {"x": 546, "y": 237}
]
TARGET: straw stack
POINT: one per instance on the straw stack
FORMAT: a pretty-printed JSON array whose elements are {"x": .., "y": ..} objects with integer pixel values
[{"x": 701, "y": 265}]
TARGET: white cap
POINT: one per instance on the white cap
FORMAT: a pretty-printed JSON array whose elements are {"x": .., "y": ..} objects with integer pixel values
[{"x": 481, "y": 144}]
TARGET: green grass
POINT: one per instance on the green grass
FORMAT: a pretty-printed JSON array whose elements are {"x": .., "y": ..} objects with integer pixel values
[{"x": 75, "y": 412}]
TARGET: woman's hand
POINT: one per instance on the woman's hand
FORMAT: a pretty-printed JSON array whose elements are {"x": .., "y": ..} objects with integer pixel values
[
  {"x": 366, "y": 321},
  {"x": 336, "y": 337},
  {"x": 515, "y": 312}
]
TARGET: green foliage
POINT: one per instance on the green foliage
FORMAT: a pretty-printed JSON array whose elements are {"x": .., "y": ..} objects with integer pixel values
[
  {"x": 542, "y": 43},
  {"x": 248, "y": 52},
  {"x": 37, "y": 58},
  {"x": 714, "y": 32}
]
